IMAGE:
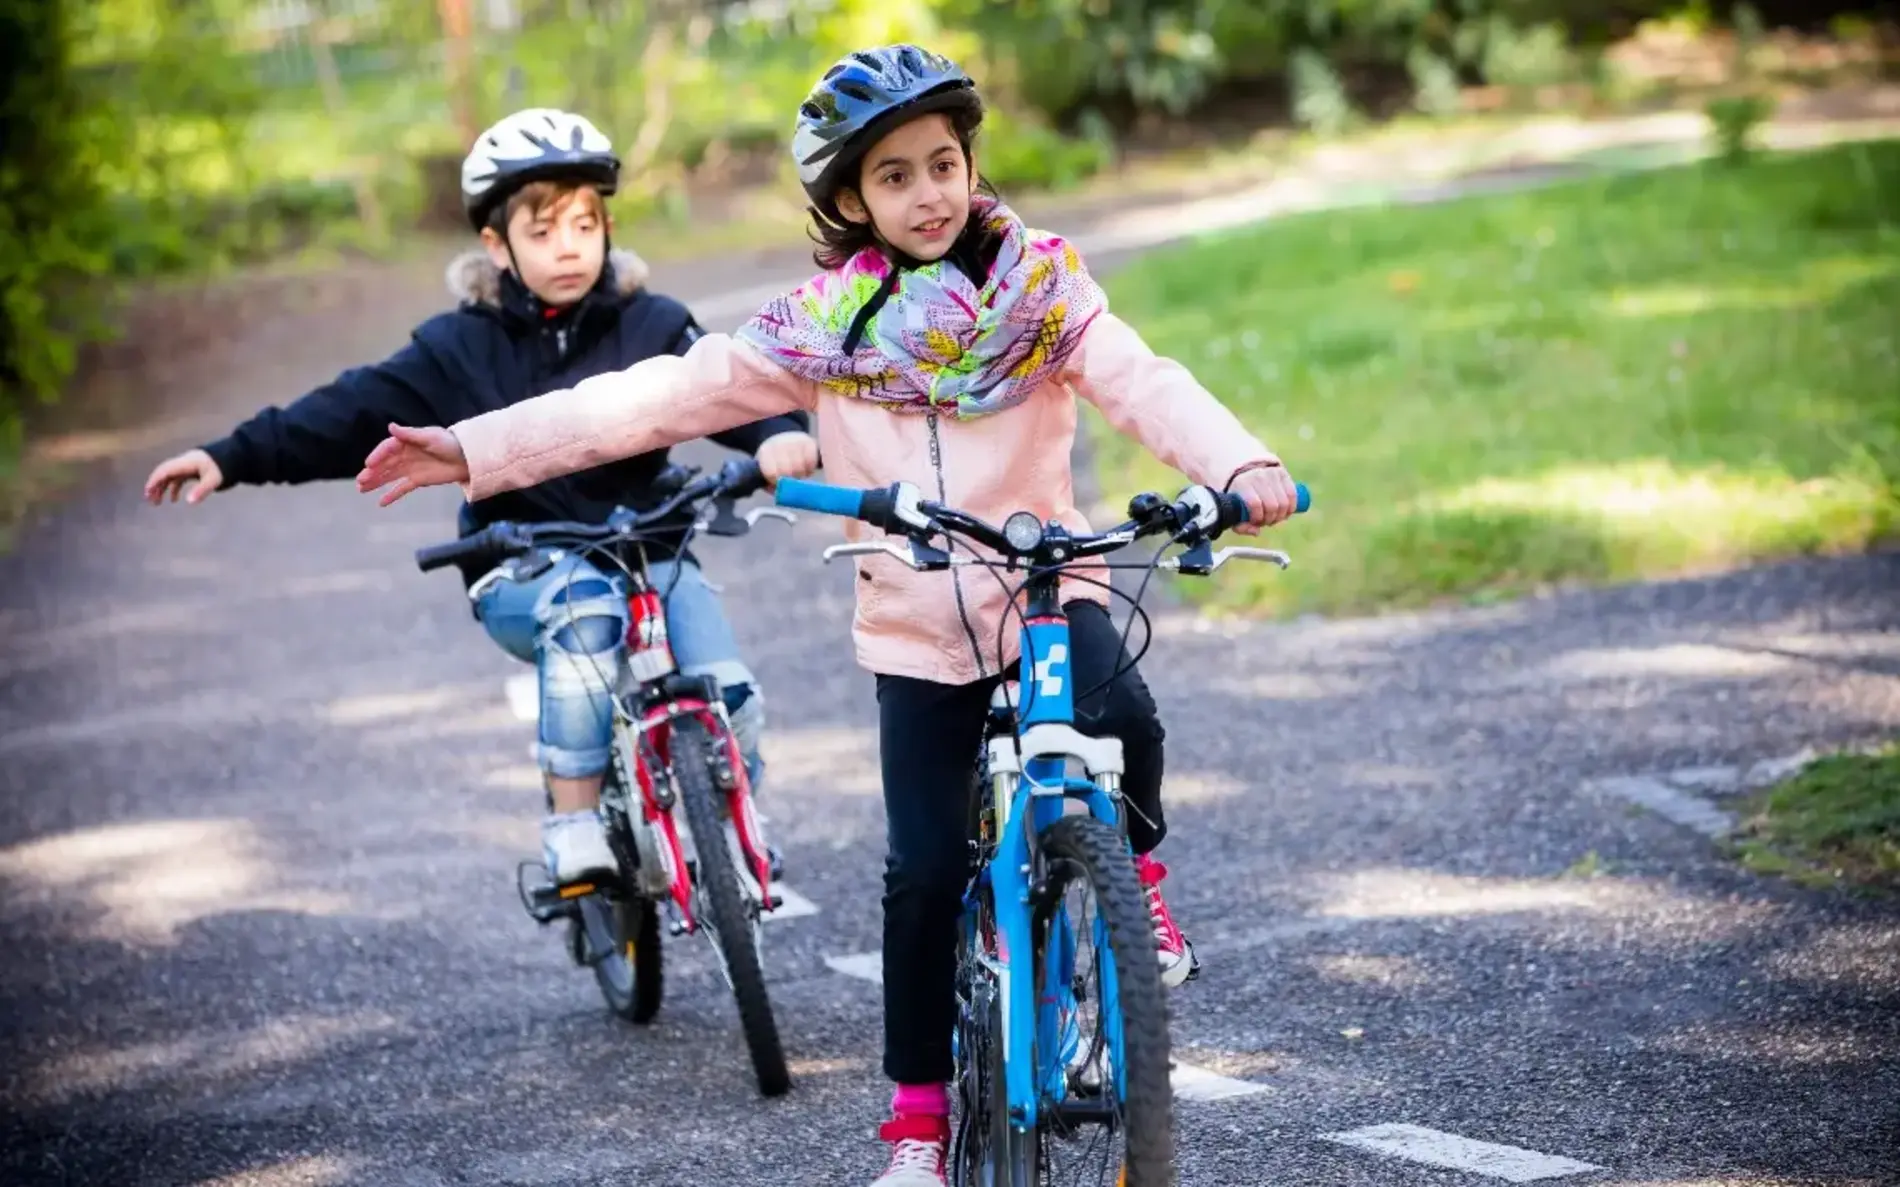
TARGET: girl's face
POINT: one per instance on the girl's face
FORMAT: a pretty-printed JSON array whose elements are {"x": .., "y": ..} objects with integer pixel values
[{"x": 914, "y": 188}]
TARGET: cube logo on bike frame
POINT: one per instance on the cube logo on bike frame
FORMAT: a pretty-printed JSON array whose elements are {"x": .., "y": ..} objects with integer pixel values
[{"x": 649, "y": 648}]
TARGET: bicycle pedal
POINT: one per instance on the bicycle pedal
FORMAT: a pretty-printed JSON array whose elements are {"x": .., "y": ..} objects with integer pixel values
[{"x": 543, "y": 899}]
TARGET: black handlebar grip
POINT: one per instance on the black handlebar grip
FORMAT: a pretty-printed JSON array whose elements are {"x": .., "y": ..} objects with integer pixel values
[
  {"x": 746, "y": 479},
  {"x": 485, "y": 542},
  {"x": 1233, "y": 510}
]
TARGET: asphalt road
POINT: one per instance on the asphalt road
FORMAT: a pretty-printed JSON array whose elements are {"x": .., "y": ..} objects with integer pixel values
[{"x": 263, "y": 797}]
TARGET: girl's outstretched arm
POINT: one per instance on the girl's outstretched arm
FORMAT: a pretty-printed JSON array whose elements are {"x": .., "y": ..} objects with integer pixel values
[
  {"x": 718, "y": 384},
  {"x": 1157, "y": 402}
]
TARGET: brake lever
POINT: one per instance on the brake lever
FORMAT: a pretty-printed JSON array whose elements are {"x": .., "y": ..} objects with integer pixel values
[
  {"x": 922, "y": 557},
  {"x": 1191, "y": 564},
  {"x": 867, "y": 548},
  {"x": 754, "y": 515}
]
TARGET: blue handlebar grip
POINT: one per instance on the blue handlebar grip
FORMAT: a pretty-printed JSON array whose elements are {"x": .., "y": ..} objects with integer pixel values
[
  {"x": 820, "y": 497},
  {"x": 1306, "y": 498}
]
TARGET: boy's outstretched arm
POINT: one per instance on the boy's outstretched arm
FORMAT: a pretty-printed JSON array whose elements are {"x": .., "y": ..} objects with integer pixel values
[
  {"x": 324, "y": 434},
  {"x": 1157, "y": 402},
  {"x": 660, "y": 402}
]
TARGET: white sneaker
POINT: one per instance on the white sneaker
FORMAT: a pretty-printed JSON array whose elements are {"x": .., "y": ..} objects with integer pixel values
[
  {"x": 574, "y": 845},
  {"x": 918, "y": 1148}
]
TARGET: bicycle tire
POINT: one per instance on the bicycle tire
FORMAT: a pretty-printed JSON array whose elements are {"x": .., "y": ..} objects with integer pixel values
[
  {"x": 984, "y": 1151},
  {"x": 1148, "y": 1100},
  {"x": 636, "y": 996},
  {"x": 692, "y": 772}
]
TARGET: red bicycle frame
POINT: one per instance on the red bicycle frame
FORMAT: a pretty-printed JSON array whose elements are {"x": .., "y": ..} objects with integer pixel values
[{"x": 650, "y": 659}]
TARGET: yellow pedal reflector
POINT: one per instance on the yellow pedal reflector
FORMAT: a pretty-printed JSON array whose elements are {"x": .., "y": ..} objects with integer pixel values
[{"x": 577, "y": 890}]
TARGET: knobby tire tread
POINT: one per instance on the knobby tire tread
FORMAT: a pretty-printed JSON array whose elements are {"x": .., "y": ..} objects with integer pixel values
[{"x": 692, "y": 758}]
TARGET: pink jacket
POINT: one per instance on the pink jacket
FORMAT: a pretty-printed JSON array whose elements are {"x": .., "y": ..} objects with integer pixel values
[{"x": 907, "y": 623}]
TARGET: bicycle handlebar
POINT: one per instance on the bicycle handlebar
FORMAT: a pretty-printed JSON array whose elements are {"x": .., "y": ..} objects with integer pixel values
[
  {"x": 736, "y": 479},
  {"x": 898, "y": 510}
]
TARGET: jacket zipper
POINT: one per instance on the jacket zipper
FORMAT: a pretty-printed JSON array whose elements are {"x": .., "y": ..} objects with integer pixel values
[{"x": 956, "y": 578}]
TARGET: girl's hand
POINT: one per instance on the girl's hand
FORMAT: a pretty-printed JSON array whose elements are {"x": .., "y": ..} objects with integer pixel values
[
  {"x": 787, "y": 455},
  {"x": 170, "y": 476},
  {"x": 413, "y": 459},
  {"x": 1269, "y": 493}
]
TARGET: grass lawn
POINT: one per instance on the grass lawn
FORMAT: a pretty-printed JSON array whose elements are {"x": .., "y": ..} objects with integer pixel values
[
  {"x": 1838, "y": 820},
  {"x": 1650, "y": 374}
]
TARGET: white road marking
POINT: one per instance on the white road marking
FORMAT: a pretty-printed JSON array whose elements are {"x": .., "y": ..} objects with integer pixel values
[
  {"x": 1683, "y": 807},
  {"x": 1437, "y": 1148},
  {"x": 1197, "y": 1083},
  {"x": 865, "y": 966},
  {"x": 524, "y": 696},
  {"x": 795, "y": 906},
  {"x": 1709, "y": 779}
]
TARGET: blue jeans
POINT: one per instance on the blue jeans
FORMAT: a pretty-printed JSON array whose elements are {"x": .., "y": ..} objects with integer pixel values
[{"x": 571, "y": 623}]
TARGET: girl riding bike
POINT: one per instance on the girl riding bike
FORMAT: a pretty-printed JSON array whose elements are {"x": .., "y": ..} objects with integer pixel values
[{"x": 943, "y": 345}]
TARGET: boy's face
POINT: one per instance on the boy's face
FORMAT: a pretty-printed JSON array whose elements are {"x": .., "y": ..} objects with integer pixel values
[
  {"x": 914, "y": 187},
  {"x": 559, "y": 244}
]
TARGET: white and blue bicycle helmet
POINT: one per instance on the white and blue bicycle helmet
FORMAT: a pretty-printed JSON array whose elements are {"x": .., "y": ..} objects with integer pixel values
[
  {"x": 863, "y": 96},
  {"x": 536, "y": 144}
]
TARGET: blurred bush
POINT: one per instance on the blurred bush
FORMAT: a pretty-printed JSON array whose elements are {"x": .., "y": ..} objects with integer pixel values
[
  {"x": 51, "y": 232},
  {"x": 225, "y": 130}
]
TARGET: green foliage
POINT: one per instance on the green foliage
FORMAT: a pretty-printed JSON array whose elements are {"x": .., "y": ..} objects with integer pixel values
[
  {"x": 1734, "y": 120},
  {"x": 1021, "y": 151},
  {"x": 1836, "y": 822},
  {"x": 49, "y": 227},
  {"x": 1526, "y": 56},
  {"x": 1319, "y": 96},
  {"x": 1434, "y": 82},
  {"x": 1168, "y": 54}
]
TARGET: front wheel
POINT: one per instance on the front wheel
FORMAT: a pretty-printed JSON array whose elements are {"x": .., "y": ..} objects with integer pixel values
[
  {"x": 722, "y": 902},
  {"x": 1126, "y": 1062}
]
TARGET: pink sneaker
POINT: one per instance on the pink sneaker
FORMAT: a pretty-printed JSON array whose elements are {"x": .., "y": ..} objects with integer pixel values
[
  {"x": 918, "y": 1147},
  {"x": 1178, "y": 965}
]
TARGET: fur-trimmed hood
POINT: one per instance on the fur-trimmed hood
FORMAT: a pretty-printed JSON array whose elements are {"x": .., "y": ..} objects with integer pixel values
[{"x": 472, "y": 276}]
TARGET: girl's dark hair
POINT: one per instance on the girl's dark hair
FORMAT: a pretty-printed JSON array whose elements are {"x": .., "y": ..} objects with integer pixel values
[{"x": 837, "y": 237}]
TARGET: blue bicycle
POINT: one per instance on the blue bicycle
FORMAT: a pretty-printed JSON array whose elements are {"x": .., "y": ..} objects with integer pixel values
[{"x": 1034, "y": 970}]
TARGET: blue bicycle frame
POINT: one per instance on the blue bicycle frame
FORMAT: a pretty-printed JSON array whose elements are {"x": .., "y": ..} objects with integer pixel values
[{"x": 1030, "y": 785}]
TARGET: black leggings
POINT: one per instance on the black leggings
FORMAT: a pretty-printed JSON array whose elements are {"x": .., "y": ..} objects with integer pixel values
[{"x": 928, "y": 739}]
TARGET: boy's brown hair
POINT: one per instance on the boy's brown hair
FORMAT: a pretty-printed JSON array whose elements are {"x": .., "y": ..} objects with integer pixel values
[{"x": 546, "y": 198}]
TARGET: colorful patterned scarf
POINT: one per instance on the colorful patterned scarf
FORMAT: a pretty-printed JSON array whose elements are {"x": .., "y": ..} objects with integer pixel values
[{"x": 943, "y": 341}]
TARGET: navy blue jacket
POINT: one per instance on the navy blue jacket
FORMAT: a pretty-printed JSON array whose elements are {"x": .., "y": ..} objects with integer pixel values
[{"x": 500, "y": 347}]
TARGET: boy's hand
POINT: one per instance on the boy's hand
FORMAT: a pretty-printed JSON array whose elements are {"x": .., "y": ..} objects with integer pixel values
[
  {"x": 787, "y": 455},
  {"x": 170, "y": 476},
  {"x": 1270, "y": 496},
  {"x": 413, "y": 459}
]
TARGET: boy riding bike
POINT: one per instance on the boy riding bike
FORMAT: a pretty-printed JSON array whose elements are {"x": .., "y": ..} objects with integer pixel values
[
  {"x": 545, "y": 303},
  {"x": 943, "y": 346}
]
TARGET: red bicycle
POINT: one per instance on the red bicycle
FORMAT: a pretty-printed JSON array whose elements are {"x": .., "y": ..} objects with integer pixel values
[{"x": 676, "y": 800}]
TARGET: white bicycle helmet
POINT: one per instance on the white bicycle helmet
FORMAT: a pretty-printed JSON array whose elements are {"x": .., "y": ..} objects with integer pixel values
[
  {"x": 533, "y": 145},
  {"x": 861, "y": 94}
]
